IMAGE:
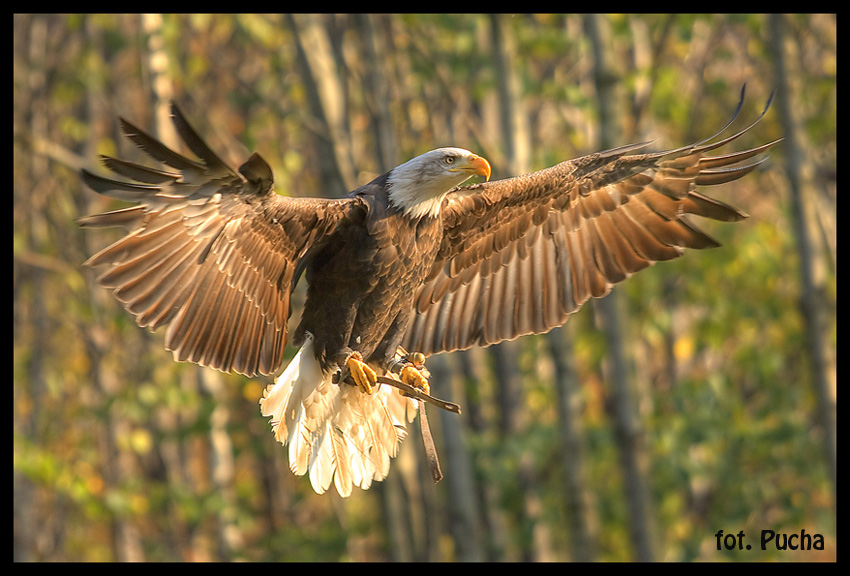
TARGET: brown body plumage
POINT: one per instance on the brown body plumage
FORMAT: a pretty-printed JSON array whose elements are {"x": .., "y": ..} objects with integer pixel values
[
  {"x": 362, "y": 281},
  {"x": 411, "y": 259}
]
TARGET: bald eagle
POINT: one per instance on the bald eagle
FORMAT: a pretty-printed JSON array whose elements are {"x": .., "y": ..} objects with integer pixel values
[{"x": 412, "y": 259}]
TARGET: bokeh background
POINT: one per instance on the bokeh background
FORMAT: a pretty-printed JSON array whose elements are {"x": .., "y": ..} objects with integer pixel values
[{"x": 699, "y": 397}]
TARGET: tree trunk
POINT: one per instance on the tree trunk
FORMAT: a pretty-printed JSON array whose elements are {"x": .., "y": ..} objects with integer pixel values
[
  {"x": 822, "y": 370},
  {"x": 627, "y": 428},
  {"x": 324, "y": 89}
]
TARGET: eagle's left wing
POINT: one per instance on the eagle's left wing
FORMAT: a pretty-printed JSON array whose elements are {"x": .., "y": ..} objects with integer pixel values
[
  {"x": 210, "y": 252},
  {"x": 520, "y": 255}
]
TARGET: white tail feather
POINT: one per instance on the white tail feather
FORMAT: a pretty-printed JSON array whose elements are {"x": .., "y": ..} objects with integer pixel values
[{"x": 336, "y": 433}]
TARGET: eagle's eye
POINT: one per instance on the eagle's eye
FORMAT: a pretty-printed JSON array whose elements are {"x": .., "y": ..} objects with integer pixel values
[{"x": 449, "y": 159}]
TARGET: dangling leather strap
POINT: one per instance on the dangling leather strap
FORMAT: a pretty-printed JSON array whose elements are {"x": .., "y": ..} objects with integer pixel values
[{"x": 430, "y": 449}]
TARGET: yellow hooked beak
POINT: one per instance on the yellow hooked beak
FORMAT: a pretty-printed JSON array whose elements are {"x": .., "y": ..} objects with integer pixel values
[{"x": 474, "y": 165}]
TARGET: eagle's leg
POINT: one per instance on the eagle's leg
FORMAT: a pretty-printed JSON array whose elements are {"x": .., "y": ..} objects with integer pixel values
[
  {"x": 412, "y": 376},
  {"x": 413, "y": 371},
  {"x": 362, "y": 374}
]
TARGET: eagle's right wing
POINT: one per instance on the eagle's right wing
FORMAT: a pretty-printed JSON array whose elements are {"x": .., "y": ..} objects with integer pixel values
[
  {"x": 210, "y": 253},
  {"x": 520, "y": 255}
]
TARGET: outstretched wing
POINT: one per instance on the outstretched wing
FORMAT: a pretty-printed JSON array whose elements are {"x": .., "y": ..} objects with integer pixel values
[
  {"x": 520, "y": 255},
  {"x": 210, "y": 253}
]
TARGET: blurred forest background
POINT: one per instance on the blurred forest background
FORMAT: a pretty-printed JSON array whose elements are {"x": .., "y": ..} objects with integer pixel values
[{"x": 699, "y": 397}]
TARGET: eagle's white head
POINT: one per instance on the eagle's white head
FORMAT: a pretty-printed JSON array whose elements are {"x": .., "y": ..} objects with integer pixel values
[{"x": 419, "y": 185}]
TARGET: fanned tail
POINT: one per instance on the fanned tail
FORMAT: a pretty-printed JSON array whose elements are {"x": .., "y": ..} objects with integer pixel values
[{"x": 336, "y": 433}]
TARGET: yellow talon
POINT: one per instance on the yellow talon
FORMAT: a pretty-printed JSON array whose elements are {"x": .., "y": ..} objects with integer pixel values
[
  {"x": 362, "y": 374},
  {"x": 412, "y": 377}
]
